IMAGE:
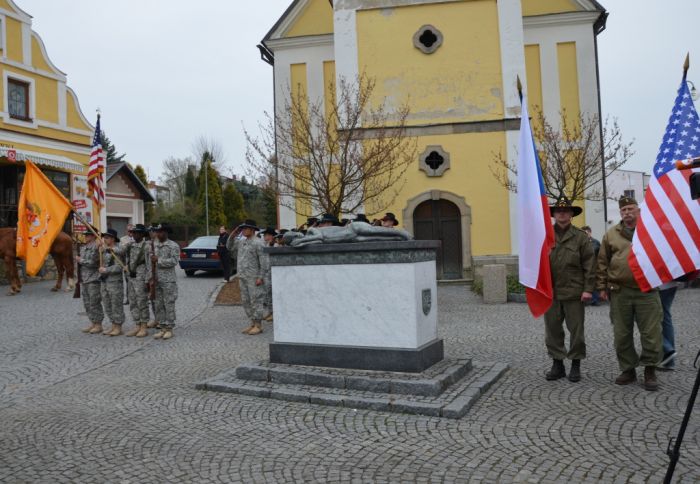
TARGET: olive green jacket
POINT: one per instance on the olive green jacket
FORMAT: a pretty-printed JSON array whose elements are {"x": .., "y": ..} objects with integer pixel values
[
  {"x": 613, "y": 268},
  {"x": 572, "y": 261}
]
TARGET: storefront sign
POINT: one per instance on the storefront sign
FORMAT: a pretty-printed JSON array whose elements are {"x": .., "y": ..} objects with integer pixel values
[{"x": 81, "y": 201}]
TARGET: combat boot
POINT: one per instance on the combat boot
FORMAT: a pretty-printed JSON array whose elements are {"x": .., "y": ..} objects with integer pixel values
[
  {"x": 247, "y": 330},
  {"x": 257, "y": 328},
  {"x": 143, "y": 330},
  {"x": 575, "y": 372},
  {"x": 107, "y": 331},
  {"x": 626, "y": 377},
  {"x": 96, "y": 329},
  {"x": 88, "y": 329},
  {"x": 116, "y": 330},
  {"x": 168, "y": 333},
  {"x": 134, "y": 330},
  {"x": 152, "y": 324},
  {"x": 650, "y": 382},
  {"x": 557, "y": 371},
  {"x": 159, "y": 334},
  {"x": 268, "y": 317}
]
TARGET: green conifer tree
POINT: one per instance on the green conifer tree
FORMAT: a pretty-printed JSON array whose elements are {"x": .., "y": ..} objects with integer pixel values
[
  {"x": 233, "y": 205},
  {"x": 110, "y": 150},
  {"x": 147, "y": 206},
  {"x": 217, "y": 217},
  {"x": 191, "y": 183}
]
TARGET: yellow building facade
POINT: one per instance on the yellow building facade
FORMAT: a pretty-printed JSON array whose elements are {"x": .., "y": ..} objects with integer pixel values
[
  {"x": 40, "y": 118},
  {"x": 455, "y": 62}
]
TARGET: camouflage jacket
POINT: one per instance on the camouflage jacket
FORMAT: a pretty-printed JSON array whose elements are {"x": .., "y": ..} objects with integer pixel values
[
  {"x": 114, "y": 271},
  {"x": 168, "y": 253},
  {"x": 136, "y": 260},
  {"x": 251, "y": 261},
  {"x": 89, "y": 263}
]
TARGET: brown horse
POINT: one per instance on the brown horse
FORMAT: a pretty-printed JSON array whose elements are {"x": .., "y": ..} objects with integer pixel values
[{"x": 61, "y": 251}]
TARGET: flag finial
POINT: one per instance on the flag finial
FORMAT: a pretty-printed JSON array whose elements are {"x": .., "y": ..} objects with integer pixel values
[
  {"x": 520, "y": 88},
  {"x": 686, "y": 64}
]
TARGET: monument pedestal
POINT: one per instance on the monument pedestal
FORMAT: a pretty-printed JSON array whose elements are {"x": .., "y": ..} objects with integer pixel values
[{"x": 368, "y": 306}]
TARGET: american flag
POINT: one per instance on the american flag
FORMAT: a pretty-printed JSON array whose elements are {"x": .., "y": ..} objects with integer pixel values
[
  {"x": 97, "y": 169},
  {"x": 666, "y": 243}
]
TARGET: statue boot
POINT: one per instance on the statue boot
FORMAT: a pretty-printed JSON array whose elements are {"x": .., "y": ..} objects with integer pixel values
[
  {"x": 116, "y": 330},
  {"x": 257, "y": 328},
  {"x": 97, "y": 328},
  {"x": 142, "y": 331}
]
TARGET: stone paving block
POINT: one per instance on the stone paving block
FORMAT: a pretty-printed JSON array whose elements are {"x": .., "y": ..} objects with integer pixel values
[
  {"x": 416, "y": 408},
  {"x": 326, "y": 399},
  {"x": 459, "y": 407},
  {"x": 367, "y": 385},
  {"x": 321, "y": 380},
  {"x": 290, "y": 395},
  {"x": 252, "y": 372},
  {"x": 367, "y": 403},
  {"x": 416, "y": 387},
  {"x": 287, "y": 376}
]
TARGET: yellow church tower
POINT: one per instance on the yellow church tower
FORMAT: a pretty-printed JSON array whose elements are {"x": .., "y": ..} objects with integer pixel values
[{"x": 456, "y": 63}]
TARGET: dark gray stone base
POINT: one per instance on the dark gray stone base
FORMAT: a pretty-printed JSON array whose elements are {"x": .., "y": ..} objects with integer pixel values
[
  {"x": 447, "y": 389},
  {"x": 358, "y": 357}
]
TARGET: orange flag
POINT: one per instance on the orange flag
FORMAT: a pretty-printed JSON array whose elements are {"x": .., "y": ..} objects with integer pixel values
[{"x": 41, "y": 214}]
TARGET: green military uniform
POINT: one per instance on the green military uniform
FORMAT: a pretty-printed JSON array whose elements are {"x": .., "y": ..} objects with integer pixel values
[
  {"x": 137, "y": 289},
  {"x": 90, "y": 283},
  {"x": 168, "y": 253},
  {"x": 113, "y": 286},
  {"x": 572, "y": 262},
  {"x": 628, "y": 302}
]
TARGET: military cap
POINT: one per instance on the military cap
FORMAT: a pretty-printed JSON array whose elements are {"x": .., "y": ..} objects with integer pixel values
[
  {"x": 624, "y": 201},
  {"x": 563, "y": 203},
  {"x": 110, "y": 233}
]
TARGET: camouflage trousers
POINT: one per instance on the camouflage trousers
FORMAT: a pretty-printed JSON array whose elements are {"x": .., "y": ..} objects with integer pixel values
[
  {"x": 92, "y": 300},
  {"x": 113, "y": 300},
  {"x": 252, "y": 298},
  {"x": 166, "y": 295},
  {"x": 138, "y": 300},
  {"x": 267, "y": 299}
]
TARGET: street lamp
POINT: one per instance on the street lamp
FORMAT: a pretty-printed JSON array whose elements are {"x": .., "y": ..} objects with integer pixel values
[{"x": 693, "y": 92}]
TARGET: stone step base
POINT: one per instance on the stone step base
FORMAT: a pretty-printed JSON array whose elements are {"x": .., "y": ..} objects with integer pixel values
[
  {"x": 431, "y": 382},
  {"x": 454, "y": 402}
]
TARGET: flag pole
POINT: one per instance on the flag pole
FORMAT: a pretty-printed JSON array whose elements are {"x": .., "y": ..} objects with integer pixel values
[
  {"x": 99, "y": 237},
  {"x": 686, "y": 65}
]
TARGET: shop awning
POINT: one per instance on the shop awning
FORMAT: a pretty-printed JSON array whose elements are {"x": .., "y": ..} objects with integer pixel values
[{"x": 54, "y": 161}]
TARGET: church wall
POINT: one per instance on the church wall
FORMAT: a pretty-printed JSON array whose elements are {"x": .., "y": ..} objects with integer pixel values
[{"x": 460, "y": 81}]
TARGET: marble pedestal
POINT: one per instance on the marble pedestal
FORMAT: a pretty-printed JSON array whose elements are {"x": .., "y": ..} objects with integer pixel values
[{"x": 370, "y": 306}]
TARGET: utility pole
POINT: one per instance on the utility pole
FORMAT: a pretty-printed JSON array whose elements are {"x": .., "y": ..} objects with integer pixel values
[{"x": 206, "y": 193}]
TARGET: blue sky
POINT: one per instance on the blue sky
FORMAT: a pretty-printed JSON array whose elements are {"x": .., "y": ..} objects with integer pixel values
[{"x": 164, "y": 72}]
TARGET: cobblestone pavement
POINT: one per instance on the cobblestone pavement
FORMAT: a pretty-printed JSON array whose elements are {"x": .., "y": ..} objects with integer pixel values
[{"x": 78, "y": 408}]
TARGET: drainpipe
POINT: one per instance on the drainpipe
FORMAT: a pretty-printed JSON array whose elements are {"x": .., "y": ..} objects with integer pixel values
[{"x": 598, "y": 27}]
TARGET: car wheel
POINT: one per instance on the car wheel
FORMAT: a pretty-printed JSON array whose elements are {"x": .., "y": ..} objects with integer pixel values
[{"x": 189, "y": 272}]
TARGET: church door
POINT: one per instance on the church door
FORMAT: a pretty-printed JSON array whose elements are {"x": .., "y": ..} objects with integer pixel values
[{"x": 441, "y": 220}]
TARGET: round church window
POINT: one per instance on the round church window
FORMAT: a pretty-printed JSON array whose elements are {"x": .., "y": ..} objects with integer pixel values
[{"x": 427, "y": 39}]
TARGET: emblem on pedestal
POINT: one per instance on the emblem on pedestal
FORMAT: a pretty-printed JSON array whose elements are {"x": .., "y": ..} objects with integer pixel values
[{"x": 427, "y": 301}]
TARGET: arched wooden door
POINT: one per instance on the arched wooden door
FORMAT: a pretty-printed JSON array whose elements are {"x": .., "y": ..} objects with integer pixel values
[{"x": 441, "y": 220}]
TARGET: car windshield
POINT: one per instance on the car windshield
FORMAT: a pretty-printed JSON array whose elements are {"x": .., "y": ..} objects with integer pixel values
[{"x": 208, "y": 242}]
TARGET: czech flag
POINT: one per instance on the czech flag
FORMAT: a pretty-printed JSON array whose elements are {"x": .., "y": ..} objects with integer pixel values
[{"x": 535, "y": 231}]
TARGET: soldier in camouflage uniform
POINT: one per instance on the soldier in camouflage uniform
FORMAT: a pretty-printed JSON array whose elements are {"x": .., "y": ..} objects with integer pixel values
[
  {"x": 89, "y": 262},
  {"x": 112, "y": 276},
  {"x": 251, "y": 272},
  {"x": 152, "y": 303},
  {"x": 269, "y": 241},
  {"x": 166, "y": 257},
  {"x": 137, "y": 288}
]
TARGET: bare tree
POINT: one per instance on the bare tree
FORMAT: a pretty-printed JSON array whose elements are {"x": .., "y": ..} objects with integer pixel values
[
  {"x": 571, "y": 156},
  {"x": 333, "y": 158},
  {"x": 206, "y": 144},
  {"x": 174, "y": 174}
]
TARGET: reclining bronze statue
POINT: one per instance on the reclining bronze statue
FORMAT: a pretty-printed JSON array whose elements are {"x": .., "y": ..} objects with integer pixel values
[{"x": 353, "y": 232}]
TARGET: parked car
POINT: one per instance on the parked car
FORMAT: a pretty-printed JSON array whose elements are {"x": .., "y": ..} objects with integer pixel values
[{"x": 201, "y": 255}]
